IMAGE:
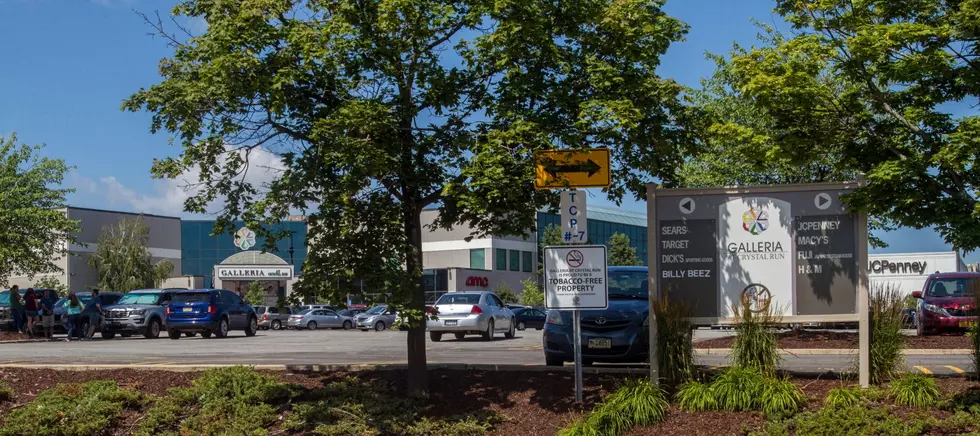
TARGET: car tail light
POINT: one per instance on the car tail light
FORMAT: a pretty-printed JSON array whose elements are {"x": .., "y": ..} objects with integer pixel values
[
  {"x": 168, "y": 310},
  {"x": 430, "y": 309},
  {"x": 212, "y": 309},
  {"x": 265, "y": 317},
  {"x": 476, "y": 310}
]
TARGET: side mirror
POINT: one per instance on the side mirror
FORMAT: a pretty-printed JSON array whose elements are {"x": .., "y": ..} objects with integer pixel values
[{"x": 917, "y": 294}]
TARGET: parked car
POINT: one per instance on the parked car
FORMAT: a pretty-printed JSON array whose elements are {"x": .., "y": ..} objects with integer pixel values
[
  {"x": 60, "y": 317},
  {"x": 313, "y": 319},
  {"x": 528, "y": 317},
  {"x": 945, "y": 303},
  {"x": 6, "y": 321},
  {"x": 141, "y": 311},
  {"x": 209, "y": 312},
  {"x": 314, "y": 306},
  {"x": 351, "y": 312},
  {"x": 617, "y": 334},
  {"x": 272, "y": 317},
  {"x": 378, "y": 318},
  {"x": 471, "y": 313}
]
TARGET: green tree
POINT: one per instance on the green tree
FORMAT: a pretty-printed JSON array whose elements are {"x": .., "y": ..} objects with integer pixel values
[
  {"x": 34, "y": 228},
  {"x": 122, "y": 261},
  {"x": 255, "y": 294},
  {"x": 876, "y": 85},
  {"x": 550, "y": 236},
  {"x": 506, "y": 294},
  {"x": 49, "y": 282},
  {"x": 620, "y": 251},
  {"x": 532, "y": 295},
  {"x": 377, "y": 110}
]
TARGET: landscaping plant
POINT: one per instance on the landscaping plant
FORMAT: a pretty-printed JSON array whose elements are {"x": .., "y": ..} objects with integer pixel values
[
  {"x": 696, "y": 396},
  {"x": 780, "y": 397},
  {"x": 635, "y": 403},
  {"x": 755, "y": 343},
  {"x": 914, "y": 390},
  {"x": 738, "y": 389},
  {"x": 886, "y": 337},
  {"x": 72, "y": 409},
  {"x": 6, "y": 393},
  {"x": 842, "y": 397},
  {"x": 674, "y": 346}
]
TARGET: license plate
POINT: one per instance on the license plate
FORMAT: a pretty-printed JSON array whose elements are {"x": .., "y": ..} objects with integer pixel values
[
  {"x": 451, "y": 323},
  {"x": 116, "y": 324},
  {"x": 965, "y": 324},
  {"x": 188, "y": 309},
  {"x": 600, "y": 343}
]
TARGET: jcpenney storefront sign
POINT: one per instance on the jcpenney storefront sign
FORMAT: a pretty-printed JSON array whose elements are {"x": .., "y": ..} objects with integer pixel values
[
  {"x": 885, "y": 266},
  {"x": 253, "y": 272}
]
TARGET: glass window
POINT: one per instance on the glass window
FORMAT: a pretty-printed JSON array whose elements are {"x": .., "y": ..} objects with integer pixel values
[
  {"x": 478, "y": 258},
  {"x": 950, "y": 287},
  {"x": 192, "y": 297},
  {"x": 458, "y": 298},
  {"x": 501, "y": 259},
  {"x": 137, "y": 298},
  {"x": 515, "y": 260},
  {"x": 496, "y": 301},
  {"x": 526, "y": 262}
]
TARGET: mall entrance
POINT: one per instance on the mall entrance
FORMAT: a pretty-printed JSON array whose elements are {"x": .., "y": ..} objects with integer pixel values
[{"x": 238, "y": 271}]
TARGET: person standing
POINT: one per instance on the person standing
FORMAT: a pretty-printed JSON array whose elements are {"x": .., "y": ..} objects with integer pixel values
[
  {"x": 30, "y": 309},
  {"x": 47, "y": 312},
  {"x": 73, "y": 309},
  {"x": 17, "y": 309},
  {"x": 94, "y": 312}
]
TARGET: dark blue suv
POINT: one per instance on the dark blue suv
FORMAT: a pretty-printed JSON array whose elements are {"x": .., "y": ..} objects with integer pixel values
[
  {"x": 619, "y": 334},
  {"x": 209, "y": 311}
]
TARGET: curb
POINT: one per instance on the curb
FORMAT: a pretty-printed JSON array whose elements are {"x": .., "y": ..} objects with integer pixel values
[
  {"x": 841, "y": 352},
  {"x": 332, "y": 367}
]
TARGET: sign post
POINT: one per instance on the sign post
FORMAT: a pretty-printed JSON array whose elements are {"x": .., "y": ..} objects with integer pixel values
[
  {"x": 574, "y": 219},
  {"x": 576, "y": 279}
]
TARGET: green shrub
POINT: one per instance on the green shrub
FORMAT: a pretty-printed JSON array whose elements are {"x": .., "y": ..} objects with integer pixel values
[
  {"x": 831, "y": 421},
  {"x": 581, "y": 427},
  {"x": 840, "y": 398},
  {"x": 781, "y": 397},
  {"x": 6, "y": 393},
  {"x": 674, "y": 346},
  {"x": 696, "y": 396},
  {"x": 914, "y": 390},
  {"x": 755, "y": 344},
  {"x": 468, "y": 425},
  {"x": 72, "y": 409},
  {"x": 738, "y": 389},
  {"x": 886, "y": 336},
  {"x": 966, "y": 401},
  {"x": 635, "y": 403}
]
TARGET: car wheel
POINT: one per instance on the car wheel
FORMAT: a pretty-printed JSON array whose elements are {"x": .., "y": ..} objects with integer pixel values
[
  {"x": 153, "y": 330},
  {"x": 348, "y": 325},
  {"x": 488, "y": 335},
  {"x": 276, "y": 325},
  {"x": 521, "y": 326},
  {"x": 206, "y": 335},
  {"x": 380, "y": 326},
  {"x": 222, "y": 328},
  {"x": 435, "y": 336},
  {"x": 460, "y": 336},
  {"x": 553, "y": 361},
  {"x": 108, "y": 335},
  {"x": 510, "y": 333},
  {"x": 174, "y": 334},
  {"x": 190, "y": 334},
  {"x": 311, "y": 325},
  {"x": 253, "y": 327}
]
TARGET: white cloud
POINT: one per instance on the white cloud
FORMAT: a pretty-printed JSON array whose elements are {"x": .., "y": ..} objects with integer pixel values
[{"x": 167, "y": 196}]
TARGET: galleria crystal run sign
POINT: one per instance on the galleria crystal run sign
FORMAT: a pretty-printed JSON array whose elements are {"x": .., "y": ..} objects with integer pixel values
[
  {"x": 793, "y": 249},
  {"x": 253, "y": 272}
]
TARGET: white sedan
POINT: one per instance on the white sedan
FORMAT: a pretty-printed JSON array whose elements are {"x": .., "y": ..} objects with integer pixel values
[{"x": 470, "y": 313}]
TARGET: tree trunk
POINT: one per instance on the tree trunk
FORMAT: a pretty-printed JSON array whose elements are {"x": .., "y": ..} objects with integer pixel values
[{"x": 418, "y": 376}]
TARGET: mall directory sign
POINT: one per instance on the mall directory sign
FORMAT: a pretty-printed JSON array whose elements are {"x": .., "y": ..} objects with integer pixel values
[{"x": 793, "y": 249}]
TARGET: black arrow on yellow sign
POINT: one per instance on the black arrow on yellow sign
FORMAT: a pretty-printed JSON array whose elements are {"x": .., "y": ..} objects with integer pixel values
[{"x": 590, "y": 167}]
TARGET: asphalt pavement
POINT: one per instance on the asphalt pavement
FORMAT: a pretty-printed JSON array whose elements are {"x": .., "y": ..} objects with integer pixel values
[{"x": 324, "y": 347}]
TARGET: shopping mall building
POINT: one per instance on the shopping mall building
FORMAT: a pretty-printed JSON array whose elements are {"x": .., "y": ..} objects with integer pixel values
[{"x": 451, "y": 262}]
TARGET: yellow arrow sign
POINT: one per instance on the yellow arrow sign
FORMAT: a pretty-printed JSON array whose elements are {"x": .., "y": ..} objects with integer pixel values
[{"x": 572, "y": 169}]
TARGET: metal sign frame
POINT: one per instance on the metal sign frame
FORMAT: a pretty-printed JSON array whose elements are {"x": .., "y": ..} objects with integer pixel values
[{"x": 578, "y": 162}]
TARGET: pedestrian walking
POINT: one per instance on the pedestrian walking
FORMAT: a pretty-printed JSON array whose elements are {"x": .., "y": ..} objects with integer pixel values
[
  {"x": 17, "y": 308},
  {"x": 30, "y": 309},
  {"x": 94, "y": 313},
  {"x": 48, "y": 301},
  {"x": 73, "y": 309}
]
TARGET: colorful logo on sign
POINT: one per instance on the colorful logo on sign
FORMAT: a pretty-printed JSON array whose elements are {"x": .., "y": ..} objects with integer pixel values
[
  {"x": 755, "y": 222},
  {"x": 481, "y": 282},
  {"x": 244, "y": 238}
]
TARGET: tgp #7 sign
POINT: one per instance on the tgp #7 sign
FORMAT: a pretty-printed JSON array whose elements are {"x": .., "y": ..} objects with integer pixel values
[{"x": 575, "y": 277}]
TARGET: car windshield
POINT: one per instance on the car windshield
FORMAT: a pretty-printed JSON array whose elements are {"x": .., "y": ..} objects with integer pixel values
[
  {"x": 192, "y": 297},
  {"x": 139, "y": 299},
  {"x": 4, "y": 297},
  {"x": 84, "y": 299},
  {"x": 628, "y": 284},
  {"x": 457, "y": 298},
  {"x": 307, "y": 311},
  {"x": 377, "y": 310},
  {"x": 960, "y": 287}
]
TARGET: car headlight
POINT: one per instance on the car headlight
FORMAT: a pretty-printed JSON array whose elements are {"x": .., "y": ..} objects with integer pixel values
[
  {"x": 137, "y": 312},
  {"x": 936, "y": 309},
  {"x": 554, "y": 318}
]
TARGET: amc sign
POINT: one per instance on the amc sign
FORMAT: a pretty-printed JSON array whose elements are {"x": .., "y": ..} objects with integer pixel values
[{"x": 478, "y": 282}]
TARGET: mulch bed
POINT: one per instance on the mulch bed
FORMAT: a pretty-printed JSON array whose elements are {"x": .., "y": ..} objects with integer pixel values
[
  {"x": 799, "y": 339},
  {"x": 531, "y": 403}
]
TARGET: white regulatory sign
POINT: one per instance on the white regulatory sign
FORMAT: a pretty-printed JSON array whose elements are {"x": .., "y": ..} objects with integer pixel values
[
  {"x": 575, "y": 277},
  {"x": 574, "y": 224}
]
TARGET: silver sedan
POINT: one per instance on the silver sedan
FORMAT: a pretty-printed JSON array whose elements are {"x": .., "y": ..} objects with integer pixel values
[
  {"x": 315, "y": 318},
  {"x": 470, "y": 313}
]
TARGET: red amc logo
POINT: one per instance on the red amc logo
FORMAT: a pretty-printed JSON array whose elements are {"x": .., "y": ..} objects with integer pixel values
[{"x": 481, "y": 282}]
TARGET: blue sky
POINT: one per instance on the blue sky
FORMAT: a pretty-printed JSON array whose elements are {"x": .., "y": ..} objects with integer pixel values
[{"x": 75, "y": 61}]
